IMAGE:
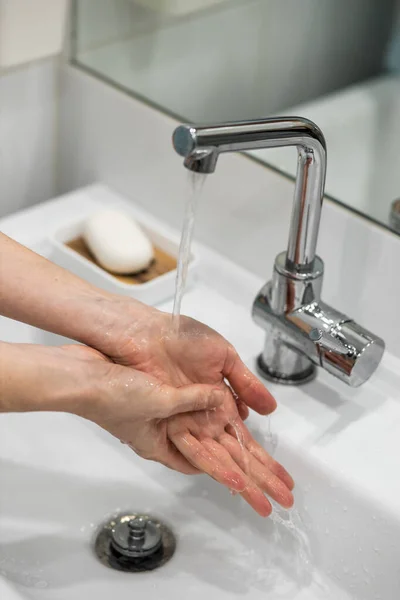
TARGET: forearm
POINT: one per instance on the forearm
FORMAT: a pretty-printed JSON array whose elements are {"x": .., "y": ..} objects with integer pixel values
[
  {"x": 38, "y": 292},
  {"x": 34, "y": 378}
]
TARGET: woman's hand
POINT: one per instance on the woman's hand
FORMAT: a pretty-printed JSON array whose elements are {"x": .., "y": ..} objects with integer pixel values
[
  {"x": 218, "y": 443},
  {"x": 131, "y": 405},
  {"x": 215, "y": 442},
  {"x": 143, "y": 338},
  {"x": 190, "y": 428},
  {"x": 151, "y": 366}
]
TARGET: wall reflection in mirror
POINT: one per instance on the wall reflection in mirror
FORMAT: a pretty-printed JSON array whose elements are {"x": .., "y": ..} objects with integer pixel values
[{"x": 336, "y": 62}]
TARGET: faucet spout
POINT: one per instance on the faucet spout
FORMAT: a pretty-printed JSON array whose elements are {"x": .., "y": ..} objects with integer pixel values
[
  {"x": 301, "y": 330},
  {"x": 201, "y": 146}
]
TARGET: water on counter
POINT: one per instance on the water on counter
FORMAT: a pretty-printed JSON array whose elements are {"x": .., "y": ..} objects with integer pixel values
[{"x": 197, "y": 182}]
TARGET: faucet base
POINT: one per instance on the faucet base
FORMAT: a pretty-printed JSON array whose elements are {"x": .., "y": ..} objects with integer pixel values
[{"x": 297, "y": 379}]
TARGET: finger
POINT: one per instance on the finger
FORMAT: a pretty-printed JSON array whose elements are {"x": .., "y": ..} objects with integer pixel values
[
  {"x": 241, "y": 406},
  {"x": 198, "y": 455},
  {"x": 251, "y": 493},
  {"x": 258, "y": 472},
  {"x": 171, "y": 458},
  {"x": 191, "y": 398},
  {"x": 174, "y": 460},
  {"x": 242, "y": 409},
  {"x": 247, "y": 386},
  {"x": 260, "y": 453},
  {"x": 254, "y": 496}
]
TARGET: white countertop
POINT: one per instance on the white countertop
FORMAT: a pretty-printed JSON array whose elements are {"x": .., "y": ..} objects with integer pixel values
[{"x": 341, "y": 444}]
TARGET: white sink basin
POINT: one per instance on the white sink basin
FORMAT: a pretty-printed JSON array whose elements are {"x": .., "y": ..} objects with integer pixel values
[{"x": 60, "y": 477}]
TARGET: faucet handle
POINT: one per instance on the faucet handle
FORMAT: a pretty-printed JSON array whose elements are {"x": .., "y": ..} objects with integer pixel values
[
  {"x": 350, "y": 352},
  {"x": 327, "y": 341}
]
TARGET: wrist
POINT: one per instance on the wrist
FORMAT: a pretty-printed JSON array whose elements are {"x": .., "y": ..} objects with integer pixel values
[
  {"x": 113, "y": 322},
  {"x": 41, "y": 378}
]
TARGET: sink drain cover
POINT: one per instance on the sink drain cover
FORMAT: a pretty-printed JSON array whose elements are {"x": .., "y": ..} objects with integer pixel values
[{"x": 134, "y": 542}]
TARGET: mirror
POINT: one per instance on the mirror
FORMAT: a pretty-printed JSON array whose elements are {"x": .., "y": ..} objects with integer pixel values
[{"x": 336, "y": 62}]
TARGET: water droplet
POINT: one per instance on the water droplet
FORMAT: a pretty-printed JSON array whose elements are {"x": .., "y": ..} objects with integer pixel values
[{"x": 240, "y": 438}]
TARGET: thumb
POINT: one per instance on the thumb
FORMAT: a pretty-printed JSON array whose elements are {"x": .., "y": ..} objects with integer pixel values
[{"x": 193, "y": 398}]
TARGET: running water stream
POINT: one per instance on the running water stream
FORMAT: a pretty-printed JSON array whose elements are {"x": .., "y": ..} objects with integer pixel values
[
  {"x": 197, "y": 183},
  {"x": 287, "y": 524}
]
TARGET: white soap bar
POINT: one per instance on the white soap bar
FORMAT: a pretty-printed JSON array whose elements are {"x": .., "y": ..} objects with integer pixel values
[{"x": 117, "y": 242}]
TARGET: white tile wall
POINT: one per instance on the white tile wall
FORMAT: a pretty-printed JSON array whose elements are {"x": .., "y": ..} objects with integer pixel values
[
  {"x": 30, "y": 29},
  {"x": 27, "y": 135}
]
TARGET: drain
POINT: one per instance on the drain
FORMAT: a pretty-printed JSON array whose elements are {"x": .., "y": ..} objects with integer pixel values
[{"x": 134, "y": 542}]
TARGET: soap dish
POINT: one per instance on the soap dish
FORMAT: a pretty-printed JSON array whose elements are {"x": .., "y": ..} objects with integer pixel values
[{"x": 151, "y": 286}]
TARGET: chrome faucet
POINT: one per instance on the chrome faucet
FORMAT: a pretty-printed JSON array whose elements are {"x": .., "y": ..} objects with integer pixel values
[{"x": 301, "y": 330}]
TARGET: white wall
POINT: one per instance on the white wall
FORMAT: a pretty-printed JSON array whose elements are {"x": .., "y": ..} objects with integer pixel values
[
  {"x": 31, "y": 31},
  {"x": 27, "y": 135}
]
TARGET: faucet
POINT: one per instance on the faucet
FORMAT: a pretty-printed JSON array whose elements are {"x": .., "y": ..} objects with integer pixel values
[{"x": 301, "y": 330}]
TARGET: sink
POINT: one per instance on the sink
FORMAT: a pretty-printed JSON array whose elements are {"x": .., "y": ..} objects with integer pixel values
[{"x": 61, "y": 477}]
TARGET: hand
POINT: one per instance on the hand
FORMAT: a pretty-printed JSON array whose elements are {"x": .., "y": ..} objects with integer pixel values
[
  {"x": 218, "y": 443},
  {"x": 42, "y": 294},
  {"x": 207, "y": 442},
  {"x": 132, "y": 405},
  {"x": 142, "y": 337}
]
